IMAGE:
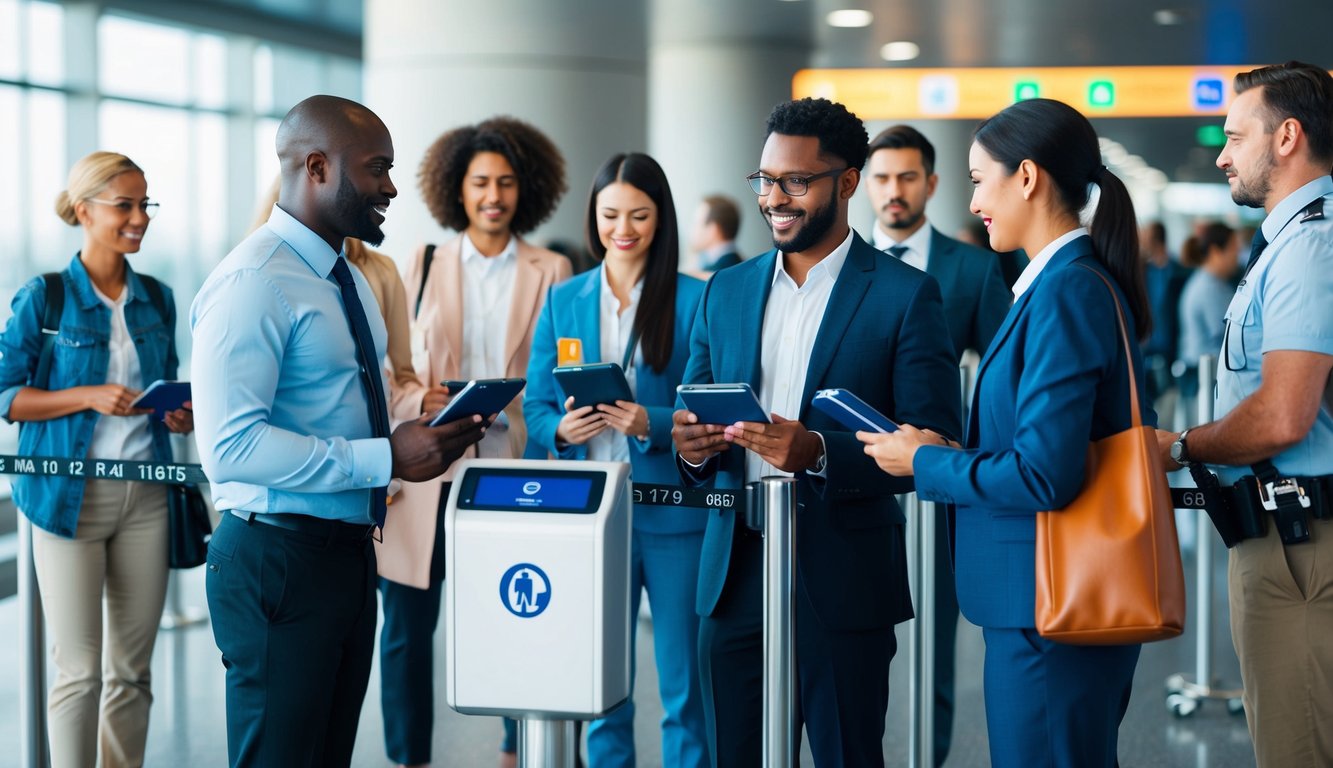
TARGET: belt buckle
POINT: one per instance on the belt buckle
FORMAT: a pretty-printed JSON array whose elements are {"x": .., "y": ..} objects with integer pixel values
[{"x": 1272, "y": 494}]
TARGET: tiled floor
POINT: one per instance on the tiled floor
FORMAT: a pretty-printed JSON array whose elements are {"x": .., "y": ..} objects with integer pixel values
[{"x": 188, "y": 723}]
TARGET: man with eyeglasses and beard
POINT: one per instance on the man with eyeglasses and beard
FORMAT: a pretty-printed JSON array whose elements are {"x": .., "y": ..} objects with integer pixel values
[
  {"x": 823, "y": 309},
  {"x": 901, "y": 180},
  {"x": 293, "y": 433}
]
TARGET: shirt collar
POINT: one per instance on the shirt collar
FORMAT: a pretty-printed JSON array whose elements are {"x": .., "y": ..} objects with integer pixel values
[
  {"x": 609, "y": 299},
  {"x": 917, "y": 242},
  {"x": 830, "y": 265},
  {"x": 312, "y": 248},
  {"x": 1040, "y": 261},
  {"x": 470, "y": 252},
  {"x": 1292, "y": 204}
]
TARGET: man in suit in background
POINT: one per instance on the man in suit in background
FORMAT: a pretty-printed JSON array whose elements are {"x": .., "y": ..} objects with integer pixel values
[
  {"x": 716, "y": 223},
  {"x": 823, "y": 309},
  {"x": 902, "y": 180}
]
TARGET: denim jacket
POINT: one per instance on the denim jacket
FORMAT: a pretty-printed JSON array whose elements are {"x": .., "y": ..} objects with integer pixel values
[{"x": 80, "y": 356}]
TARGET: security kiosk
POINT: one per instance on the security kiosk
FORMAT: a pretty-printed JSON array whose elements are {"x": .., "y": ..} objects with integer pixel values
[{"x": 537, "y": 595}]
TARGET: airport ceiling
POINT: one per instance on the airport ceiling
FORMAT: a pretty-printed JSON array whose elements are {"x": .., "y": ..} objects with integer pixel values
[{"x": 961, "y": 33}]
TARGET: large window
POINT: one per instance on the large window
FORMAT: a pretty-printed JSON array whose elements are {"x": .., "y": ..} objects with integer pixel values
[{"x": 196, "y": 109}]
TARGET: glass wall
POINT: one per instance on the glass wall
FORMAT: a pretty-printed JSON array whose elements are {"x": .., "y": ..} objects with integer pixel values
[{"x": 196, "y": 109}]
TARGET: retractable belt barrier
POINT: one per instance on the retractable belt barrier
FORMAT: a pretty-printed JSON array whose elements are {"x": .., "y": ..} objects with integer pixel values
[{"x": 650, "y": 494}]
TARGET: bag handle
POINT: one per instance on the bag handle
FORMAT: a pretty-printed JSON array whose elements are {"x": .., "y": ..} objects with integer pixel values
[{"x": 1136, "y": 420}]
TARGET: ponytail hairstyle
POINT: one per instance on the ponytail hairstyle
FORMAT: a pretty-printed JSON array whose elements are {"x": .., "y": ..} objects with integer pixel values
[
  {"x": 1062, "y": 142},
  {"x": 87, "y": 179},
  {"x": 1216, "y": 235},
  {"x": 655, "y": 320}
]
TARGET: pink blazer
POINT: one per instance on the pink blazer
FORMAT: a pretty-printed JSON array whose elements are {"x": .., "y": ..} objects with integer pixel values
[{"x": 409, "y": 532}]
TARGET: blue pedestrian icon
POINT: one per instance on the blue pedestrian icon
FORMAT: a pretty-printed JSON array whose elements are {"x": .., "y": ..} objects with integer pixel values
[{"x": 525, "y": 590}]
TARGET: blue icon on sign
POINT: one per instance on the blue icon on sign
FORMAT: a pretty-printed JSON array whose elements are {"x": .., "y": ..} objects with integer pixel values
[
  {"x": 1209, "y": 93},
  {"x": 525, "y": 590}
]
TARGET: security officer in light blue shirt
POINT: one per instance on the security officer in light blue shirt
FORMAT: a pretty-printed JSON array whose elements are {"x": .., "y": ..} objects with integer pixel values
[
  {"x": 293, "y": 432},
  {"x": 1274, "y": 435}
]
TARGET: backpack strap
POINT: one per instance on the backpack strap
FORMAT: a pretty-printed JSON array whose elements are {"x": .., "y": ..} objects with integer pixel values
[
  {"x": 155, "y": 295},
  {"x": 426, "y": 259},
  {"x": 55, "y": 307}
]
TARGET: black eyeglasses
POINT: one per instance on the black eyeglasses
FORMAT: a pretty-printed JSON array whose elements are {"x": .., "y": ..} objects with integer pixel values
[{"x": 794, "y": 186}]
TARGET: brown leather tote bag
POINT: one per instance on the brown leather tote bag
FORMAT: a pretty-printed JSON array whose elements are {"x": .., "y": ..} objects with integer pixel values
[{"x": 1108, "y": 565}]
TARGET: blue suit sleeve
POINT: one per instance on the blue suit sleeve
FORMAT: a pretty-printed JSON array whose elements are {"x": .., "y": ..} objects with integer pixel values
[
  {"x": 699, "y": 370},
  {"x": 542, "y": 406},
  {"x": 925, "y": 393},
  {"x": 1069, "y": 339}
]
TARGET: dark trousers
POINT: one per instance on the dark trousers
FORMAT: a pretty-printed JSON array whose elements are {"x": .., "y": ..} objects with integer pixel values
[
  {"x": 843, "y": 685},
  {"x": 294, "y": 617},
  {"x": 407, "y": 659}
]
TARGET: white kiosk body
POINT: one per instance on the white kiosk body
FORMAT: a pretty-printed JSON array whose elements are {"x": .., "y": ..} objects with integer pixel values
[{"x": 537, "y": 588}]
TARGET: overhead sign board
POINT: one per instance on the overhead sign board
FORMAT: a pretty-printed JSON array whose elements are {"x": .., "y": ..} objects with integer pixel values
[{"x": 975, "y": 93}]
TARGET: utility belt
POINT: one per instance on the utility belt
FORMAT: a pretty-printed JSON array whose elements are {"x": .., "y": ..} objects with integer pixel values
[{"x": 1241, "y": 511}]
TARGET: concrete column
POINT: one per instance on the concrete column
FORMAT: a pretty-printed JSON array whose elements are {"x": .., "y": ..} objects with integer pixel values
[
  {"x": 948, "y": 209},
  {"x": 715, "y": 71},
  {"x": 575, "y": 68}
]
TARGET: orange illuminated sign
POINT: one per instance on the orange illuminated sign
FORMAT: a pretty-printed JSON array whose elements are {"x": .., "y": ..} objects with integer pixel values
[{"x": 902, "y": 94}]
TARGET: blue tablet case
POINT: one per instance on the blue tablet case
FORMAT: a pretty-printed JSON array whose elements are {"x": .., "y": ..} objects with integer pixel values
[
  {"x": 163, "y": 396},
  {"x": 722, "y": 403}
]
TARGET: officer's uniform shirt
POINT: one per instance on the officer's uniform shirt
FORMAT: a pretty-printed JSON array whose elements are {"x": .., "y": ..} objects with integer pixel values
[{"x": 1284, "y": 303}]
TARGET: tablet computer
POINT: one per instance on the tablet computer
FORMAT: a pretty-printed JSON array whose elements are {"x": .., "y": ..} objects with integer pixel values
[
  {"x": 722, "y": 403},
  {"x": 852, "y": 412},
  {"x": 593, "y": 384},
  {"x": 163, "y": 396},
  {"x": 481, "y": 397}
]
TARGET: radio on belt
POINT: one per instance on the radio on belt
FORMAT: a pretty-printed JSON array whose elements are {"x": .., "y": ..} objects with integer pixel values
[{"x": 537, "y": 588}]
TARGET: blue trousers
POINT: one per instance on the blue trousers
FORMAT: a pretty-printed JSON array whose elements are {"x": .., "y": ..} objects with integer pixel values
[
  {"x": 667, "y": 566},
  {"x": 407, "y": 661},
  {"x": 1052, "y": 705}
]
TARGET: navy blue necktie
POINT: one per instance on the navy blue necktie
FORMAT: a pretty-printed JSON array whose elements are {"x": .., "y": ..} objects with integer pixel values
[
  {"x": 1257, "y": 246},
  {"x": 370, "y": 372},
  {"x": 896, "y": 251}
]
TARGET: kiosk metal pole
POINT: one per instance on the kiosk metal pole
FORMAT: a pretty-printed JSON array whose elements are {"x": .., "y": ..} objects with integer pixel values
[
  {"x": 546, "y": 743},
  {"x": 33, "y": 752},
  {"x": 778, "y": 496}
]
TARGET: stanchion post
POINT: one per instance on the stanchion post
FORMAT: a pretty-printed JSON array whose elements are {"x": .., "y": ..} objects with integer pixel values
[
  {"x": 546, "y": 743},
  {"x": 33, "y": 750},
  {"x": 1203, "y": 619},
  {"x": 921, "y": 633},
  {"x": 778, "y": 495}
]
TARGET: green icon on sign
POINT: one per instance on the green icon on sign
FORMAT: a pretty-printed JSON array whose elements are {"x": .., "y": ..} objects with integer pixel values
[
  {"x": 1026, "y": 89},
  {"x": 1101, "y": 93}
]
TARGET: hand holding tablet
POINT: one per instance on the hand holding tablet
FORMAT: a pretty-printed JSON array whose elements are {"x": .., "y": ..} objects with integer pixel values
[
  {"x": 163, "y": 397},
  {"x": 482, "y": 397},
  {"x": 722, "y": 403}
]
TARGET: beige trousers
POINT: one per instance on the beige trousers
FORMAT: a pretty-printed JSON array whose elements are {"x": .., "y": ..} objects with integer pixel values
[
  {"x": 119, "y": 552},
  {"x": 1282, "y": 625}
]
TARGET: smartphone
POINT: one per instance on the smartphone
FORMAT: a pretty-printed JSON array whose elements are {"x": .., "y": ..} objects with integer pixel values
[
  {"x": 482, "y": 397},
  {"x": 852, "y": 412},
  {"x": 454, "y": 385},
  {"x": 722, "y": 403}
]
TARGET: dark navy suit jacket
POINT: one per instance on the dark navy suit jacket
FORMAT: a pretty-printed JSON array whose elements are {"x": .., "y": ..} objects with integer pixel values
[
  {"x": 883, "y": 338},
  {"x": 976, "y": 298},
  {"x": 573, "y": 310},
  {"x": 1053, "y": 380}
]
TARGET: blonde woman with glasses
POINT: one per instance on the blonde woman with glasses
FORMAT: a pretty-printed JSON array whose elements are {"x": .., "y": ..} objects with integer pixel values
[{"x": 100, "y": 546}]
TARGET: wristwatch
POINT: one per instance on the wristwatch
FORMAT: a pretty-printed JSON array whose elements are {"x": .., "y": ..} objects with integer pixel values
[{"x": 1179, "y": 454}]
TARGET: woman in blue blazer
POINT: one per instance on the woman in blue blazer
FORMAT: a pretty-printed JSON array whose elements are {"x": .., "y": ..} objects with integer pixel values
[
  {"x": 1053, "y": 379},
  {"x": 635, "y": 306}
]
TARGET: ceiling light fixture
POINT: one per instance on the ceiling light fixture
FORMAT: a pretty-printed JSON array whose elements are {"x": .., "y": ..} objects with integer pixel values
[
  {"x": 850, "y": 17},
  {"x": 1168, "y": 18},
  {"x": 901, "y": 50}
]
